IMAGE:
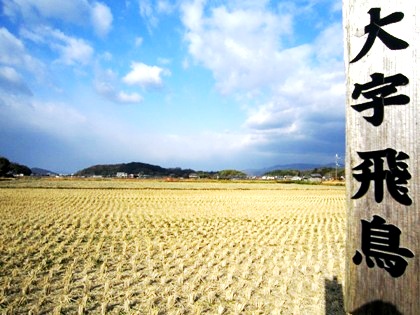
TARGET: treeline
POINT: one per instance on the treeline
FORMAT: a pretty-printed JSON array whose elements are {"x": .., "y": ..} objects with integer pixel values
[
  {"x": 229, "y": 174},
  {"x": 136, "y": 168},
  {"x": 323, "y": 171},
  {"x": 149, "y": 170},
  {"x": 9, "y": 169}
]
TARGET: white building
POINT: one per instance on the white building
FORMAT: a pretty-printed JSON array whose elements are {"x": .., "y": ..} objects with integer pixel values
[{"x": 121, "y": 175}]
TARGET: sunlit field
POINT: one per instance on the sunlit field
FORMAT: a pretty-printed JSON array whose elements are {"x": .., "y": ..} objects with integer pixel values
[{"x": 155, "y": 247}]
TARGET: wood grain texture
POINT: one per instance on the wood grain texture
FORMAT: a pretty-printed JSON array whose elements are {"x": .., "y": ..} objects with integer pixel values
[{"x": 399, "y": 131}]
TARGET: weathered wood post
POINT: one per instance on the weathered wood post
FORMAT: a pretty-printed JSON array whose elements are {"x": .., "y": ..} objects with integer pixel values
[{"x": 382, "y": 56}]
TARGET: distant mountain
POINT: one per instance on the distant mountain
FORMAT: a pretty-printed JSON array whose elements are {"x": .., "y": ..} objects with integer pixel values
[
  {"x": 295, "y": 166},
  {"x": 136, "y": 168},
  {"x": 10, "y": 169},
  {"x": 36, "y": 171}
]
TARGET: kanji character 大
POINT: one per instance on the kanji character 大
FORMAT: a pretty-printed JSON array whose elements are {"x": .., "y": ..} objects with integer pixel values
[{"x": 374, "y": 29}]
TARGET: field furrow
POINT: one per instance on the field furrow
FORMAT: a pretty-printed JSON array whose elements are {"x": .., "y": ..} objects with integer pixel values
[{"x": 160, "y": 250}]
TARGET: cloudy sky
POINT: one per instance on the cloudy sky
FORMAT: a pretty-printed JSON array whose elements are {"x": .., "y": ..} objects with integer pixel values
[{"x": 207, "y": 85}]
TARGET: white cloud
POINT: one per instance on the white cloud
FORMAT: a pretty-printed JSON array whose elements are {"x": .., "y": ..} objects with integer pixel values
[
  {"x": 71, "y": 50},
  {"x": 101, "y": 18},
  {"x": 304, "y": 115},
  {"x": 151, "y": 11},
  {"x": 109, "y": 91},
  {"x": 75, "y": 11},
  {"x": 144, "y": 75},
  {"x": 10, "y": 74},
  {"x": 124, "y": 97},
  {"x": 241, "y": 46},
  {"x": 192, "y": 15},
  {"x": 12, "y": 50},
  {"x": 105, "y": 85},
  {"x": 147, "y": 13},
  {"x": 14, "y": 55},
  {"x": 79, "y": 12},
  {"x": 11, "y": 81},
  {"x": 296, "y": 94},
  {"x": 164, "y": 6}
]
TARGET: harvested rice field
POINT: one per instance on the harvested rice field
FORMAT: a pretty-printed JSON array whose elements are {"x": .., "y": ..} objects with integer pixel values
[{"x": 149, "y": 247}]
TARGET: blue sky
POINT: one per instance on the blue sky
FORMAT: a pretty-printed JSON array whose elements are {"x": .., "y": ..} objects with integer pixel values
[{"x": 207, "y": 85}]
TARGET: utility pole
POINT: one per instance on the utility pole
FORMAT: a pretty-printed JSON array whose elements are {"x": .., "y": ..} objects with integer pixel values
[{"x": 337, "y": 158}]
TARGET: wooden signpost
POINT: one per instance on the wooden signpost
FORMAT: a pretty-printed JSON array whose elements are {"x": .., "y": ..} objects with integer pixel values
[{"x": 382, "y": 56}]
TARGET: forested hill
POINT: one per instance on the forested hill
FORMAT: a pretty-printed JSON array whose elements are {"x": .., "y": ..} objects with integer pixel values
[
  {"x": 136, "y": 168},
  {"x": 8, "y": 169}
]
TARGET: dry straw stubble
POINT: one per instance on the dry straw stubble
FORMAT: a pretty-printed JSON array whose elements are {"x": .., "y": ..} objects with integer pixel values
[{"x": 170, "y": 248}]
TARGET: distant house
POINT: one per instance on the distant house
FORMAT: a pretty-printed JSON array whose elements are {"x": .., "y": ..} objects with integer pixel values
[
  {"x": 265, "y": 177},
  {"x": 121, "y": 175},
  {"x": 193, "y": 175},
  {"x": 316, "y": 178}
]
